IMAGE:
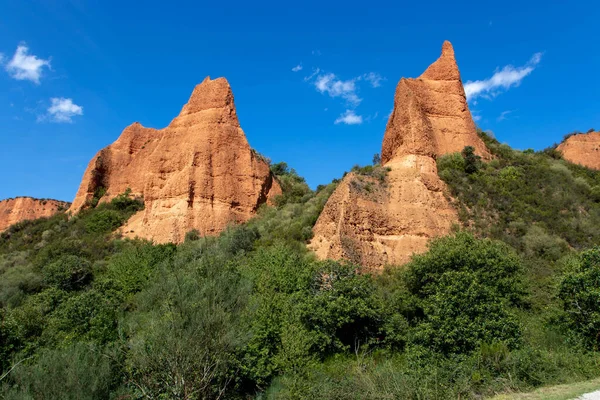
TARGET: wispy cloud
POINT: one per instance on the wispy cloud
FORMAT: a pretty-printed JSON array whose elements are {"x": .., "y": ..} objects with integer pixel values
[
  {"x": 334, "y": 87},
  {"x": 349, "y": 118},
  {"x": 346, "y": 90},
  {"x": 297, "y": 68},
  {"x": 315, "y": 72},
  {"x": 62, "y": 110},
  {"x": 475, "y": 115},
  {"x": 503, "y": 115},
  {"x": 502, "y": 79},
  {"x": 24, "y": 66},
  {"x": 1, "y": 58},
  {"x": 374, "y": 79}
]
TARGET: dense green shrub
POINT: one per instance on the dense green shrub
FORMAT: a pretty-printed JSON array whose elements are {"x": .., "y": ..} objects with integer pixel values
[
  {"x": 303, "y": 311},
  {"x": 472, "y": 160},
  {"x": 104, "y": 221},
  {"x": 579, "y": 292},
  {"x": 133, "y": 267},
  {"x": 192, "y": 235},
  {"x": 293, "y": 186},
  {"x": 187, "y": 326},
  {"x": 79, "y": 371},
  {"x": 458, "y": 296},
  {"x": 69, "y": 272}
]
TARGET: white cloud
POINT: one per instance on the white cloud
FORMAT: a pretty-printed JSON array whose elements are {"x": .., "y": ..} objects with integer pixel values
[
  {"x": 476, "y": 118},
  {"x": 335, "y": 87},
  {"x": 26, "y": 67},
  {"x": 297, "y": 68},
  {"x": 349, "y": 118},
  {"x": 63, "y": 110},
  {"x": 502, "y": 80},
  {"x": 503, "y": 115},
  {"x": 314, "y": 73},
  {"x": 373, "y": 78}
]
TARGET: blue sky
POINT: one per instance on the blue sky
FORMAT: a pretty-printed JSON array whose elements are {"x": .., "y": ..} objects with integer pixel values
[{"x": 74, "y": 74}]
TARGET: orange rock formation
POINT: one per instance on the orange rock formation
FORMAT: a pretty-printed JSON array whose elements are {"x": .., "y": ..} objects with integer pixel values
[
  {"x": 583, "y": 149},
  {"x": 430, "y": 115},
  {"x": 26, "y": 208},
  {"x": 386, "y": 225},
  {"x": 197, "y": 173}
]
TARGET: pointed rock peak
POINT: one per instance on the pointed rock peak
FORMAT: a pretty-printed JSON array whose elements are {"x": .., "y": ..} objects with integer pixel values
[
  {"x": 215, "y": 93},
  {"x": 447, "y": 49},
  {"x": 445, "y": 67},
  {"x": 135, "y": 125}
]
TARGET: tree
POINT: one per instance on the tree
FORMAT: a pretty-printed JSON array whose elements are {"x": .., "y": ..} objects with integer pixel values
[
  {"x": 376, "y": 159},
  {"x": 579, "y": 291},
  {"x": 465, "y": 291},
  {"x": 471, "y": 159}
]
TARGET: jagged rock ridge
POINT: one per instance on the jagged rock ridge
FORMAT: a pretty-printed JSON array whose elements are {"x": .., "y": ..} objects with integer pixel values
[
  {"x": 27, "y": 208},
  {"x": 388, "y": 225},
  {"x": 197, "y": 173},
  {"x": 583, "y": 149}
]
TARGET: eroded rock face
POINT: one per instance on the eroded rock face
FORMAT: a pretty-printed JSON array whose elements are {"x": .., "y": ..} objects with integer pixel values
[
  {"x": 583, "y": 149},
  {"x": 431, "y": 116},
  {"x": 197, "y": 173},
  {"x": 27, "y": 208},
  {"x": 388, "y": 224}
]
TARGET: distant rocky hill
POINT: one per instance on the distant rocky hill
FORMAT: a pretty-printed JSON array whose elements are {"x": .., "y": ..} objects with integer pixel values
[
  {"x": 377, "y": 221},
  {"x": 582, "y": 148},
  {"x": 197, "y": 173},
  {"x": 26, "y": 208}
]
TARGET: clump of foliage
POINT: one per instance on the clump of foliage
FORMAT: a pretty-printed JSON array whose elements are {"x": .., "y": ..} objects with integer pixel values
[
  {"x": 293, "y": 186},
  {"x": 374, "y": 171},
  {"x": 461, "y": 294},
  {"x": 376, "y": 159},
  {"x": 579, "y": 292}
]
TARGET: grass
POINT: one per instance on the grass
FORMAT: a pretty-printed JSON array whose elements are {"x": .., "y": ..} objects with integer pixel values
[{"x": 559, "y": 392}]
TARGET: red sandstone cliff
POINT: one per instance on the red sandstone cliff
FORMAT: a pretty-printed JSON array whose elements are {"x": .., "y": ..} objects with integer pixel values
[
  {"x": 197, "y": 173},
  {"x": 583, "y": 149},
  {"x": 26, "y": 208},
  {"x": 386, "y": 225}
]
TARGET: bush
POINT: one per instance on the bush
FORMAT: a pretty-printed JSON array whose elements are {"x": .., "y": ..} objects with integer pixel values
[
  {"x": 132, "y": 268},
  {"x": 104, "y": 221},
  {"x": 471, "y": 160},
  {"x": 303, "y": 312},
  {"x": 192, "y": 235},
  {"x": 68, "y": 273},
  {"x": 79, "y": 371},
  {"x": 90, "y": 315},
  {"x": 579, "y": 291},
  {"x": 465, "y": 292},
  {"x": 187, "y": 326},
  {"x": 293, "y": 186}
]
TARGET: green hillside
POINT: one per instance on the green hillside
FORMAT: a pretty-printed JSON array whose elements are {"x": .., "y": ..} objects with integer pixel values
[{"x": 508, "y": 303}]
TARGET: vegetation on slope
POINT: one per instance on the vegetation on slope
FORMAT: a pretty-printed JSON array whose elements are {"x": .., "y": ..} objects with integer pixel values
[{"x": 252, "y": 314}]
